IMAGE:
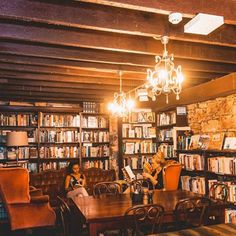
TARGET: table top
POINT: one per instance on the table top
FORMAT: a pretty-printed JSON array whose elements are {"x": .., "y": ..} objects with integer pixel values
[
  {"x": 214, "y": 230},
  {"x": 108, "y": 207}
]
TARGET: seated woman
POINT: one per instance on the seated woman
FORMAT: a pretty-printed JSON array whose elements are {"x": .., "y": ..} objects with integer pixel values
[
  {"x": 75, "y": 182},
  {"x": 153, "y": 171}
]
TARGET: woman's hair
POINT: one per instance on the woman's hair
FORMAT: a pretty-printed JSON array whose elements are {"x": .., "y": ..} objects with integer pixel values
[{"x": 70, "y": 166}]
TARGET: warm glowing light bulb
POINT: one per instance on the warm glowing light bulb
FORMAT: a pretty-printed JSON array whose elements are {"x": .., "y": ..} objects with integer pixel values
[
  {"x": 180, "y": 78},
  {"x": 130, "y": 104},
  {"x": 162, "y": 75}
]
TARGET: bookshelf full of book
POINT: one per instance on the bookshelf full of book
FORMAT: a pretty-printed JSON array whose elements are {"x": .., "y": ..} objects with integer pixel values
[
  {"x": 18, "y": 121},
  {"x": 95, "y": 143},
  {"x": 203, "y": 168},
  {"x": 138, "y": 138},
  {"x": 171, "y": 131},
  {"x": 55, "y": 138}
]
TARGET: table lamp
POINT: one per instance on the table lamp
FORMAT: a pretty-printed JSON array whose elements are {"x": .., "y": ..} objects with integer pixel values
[{"x": 17, "y": 139}]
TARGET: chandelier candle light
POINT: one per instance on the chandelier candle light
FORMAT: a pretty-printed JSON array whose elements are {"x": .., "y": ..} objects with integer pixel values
[
  {"x": 165, "y": 78},
  {"x": 120, "y": 107}
]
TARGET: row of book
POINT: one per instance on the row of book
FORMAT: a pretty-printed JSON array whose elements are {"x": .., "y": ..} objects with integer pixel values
[
  {"x": 59, "y": 152},
  {"x": 140, "y": 116},
  {"x": 166, "y": 118},
  {"x": 104, "y": 164},
  {"x": 192, "y": 161},
  {"x": 230, "y": 216},
  {"x": 94, "y": 122},
  {"x": 194, "y": 184},
  {"x": 91, "y": 107},
  {"x": 53, "y": 166},
  {"x": 139, "y": 147},
  {"x": 219, "y": 194},
  {"x": 168, "y": 150},
  {"x": 52, "y": 136},
  {"x": 183, "y": 142},
  {"x": 138, "y": 131},
  {"x": 23, "y": 153},
  {"x": 18, "y": 119},
  {"x": 32, "y": 135},
  {"x": 54, "y": 120},
  {"x": 134, "y": 162},
  {"x": 95, "y": 136},
  {"x": 165, "y": 135},
  {"x": 222, "y": 165},
  {"x": 99, "y": 151}
]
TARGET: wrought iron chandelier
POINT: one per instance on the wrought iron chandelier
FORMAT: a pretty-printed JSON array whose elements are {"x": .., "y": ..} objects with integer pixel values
[
  {"x": 165, "y": 78},
  {"x": 120, "y": 106}
]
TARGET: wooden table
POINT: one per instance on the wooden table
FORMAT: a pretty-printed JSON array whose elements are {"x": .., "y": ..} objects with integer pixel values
[
  {"x": 107, "y": 212},
  {"x": 214, "y": 230}
]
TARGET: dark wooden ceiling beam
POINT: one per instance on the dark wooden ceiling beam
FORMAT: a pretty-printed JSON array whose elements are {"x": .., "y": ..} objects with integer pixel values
[
  {"x": 48, "y": 70},
  {"x": 53, "y": 84},
  {"x": 102, "y": 93},
  {"x": 105, "y": 18},
  {"x": 191, "y": 65},
  {"x": 48, "y": 94},
  {"x": 29, "y": 98},
  {"x": 187, "y": 8},
  {"x": 68, "y": 78},
  {"x": 115, "y": 42}
]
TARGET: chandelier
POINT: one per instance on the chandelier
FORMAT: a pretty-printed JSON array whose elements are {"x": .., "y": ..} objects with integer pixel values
[
  {"x": 165, "y": 78},
  {"x": 120, "y": 106}
]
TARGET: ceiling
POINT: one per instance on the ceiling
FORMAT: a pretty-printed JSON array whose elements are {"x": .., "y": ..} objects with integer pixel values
[{"x": 71, "y": 51}]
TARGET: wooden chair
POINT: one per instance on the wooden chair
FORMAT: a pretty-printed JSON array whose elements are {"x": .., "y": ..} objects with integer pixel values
[
  {"x": 171, "y": 175},
  {"x": 65, "y": 217},
  {"x": 138, "y": 184},
  {"x": 191, "y": 212},
  {"x": 219, "y": 191},
  {"x": 145, "y": 219},
  {"x": 106, "y": 188}
]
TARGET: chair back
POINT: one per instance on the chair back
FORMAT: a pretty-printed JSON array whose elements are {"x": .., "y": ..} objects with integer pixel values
[
  {"x": 14, "y": 185},
  {"x": 171, "y": 176},
  {"x": 138, "y": 184},
  {"x": 191, "y": 212},
  {"x": 144, "y": 218},
  {"x": 106, "y": 188},
  {"x": 219, "y": 191},
  {"x": 65, "y": 216}
]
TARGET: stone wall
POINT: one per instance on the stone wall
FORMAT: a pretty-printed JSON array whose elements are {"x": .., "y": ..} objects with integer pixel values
[{"x": 218, "y": 115}]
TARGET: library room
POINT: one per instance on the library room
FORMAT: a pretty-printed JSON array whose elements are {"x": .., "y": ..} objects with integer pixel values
[{"x": 117, "y": 117}]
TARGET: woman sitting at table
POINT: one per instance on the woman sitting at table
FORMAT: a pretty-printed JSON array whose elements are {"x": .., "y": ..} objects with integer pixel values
[
  {"x": 75, "y": 182},
  {"x": 153, "y": 171}
]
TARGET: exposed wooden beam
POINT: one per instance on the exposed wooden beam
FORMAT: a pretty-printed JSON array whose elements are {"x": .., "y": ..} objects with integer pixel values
[
  {"x": 188, "y": 8},
  {"x": 71, "y": 91},
  {"x": 68, "y": 78},
  {"x": 53, "y": 84},
  {"x": 69, "y": 71},
  {"x": 115, "y": 42},
  {"x": 190, "y": 65},
  {"x": 220, "y": 87},
  {"x": 106, "y": 18}
]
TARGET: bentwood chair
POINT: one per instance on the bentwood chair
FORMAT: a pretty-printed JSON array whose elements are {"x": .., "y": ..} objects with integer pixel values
[
  {"x": 191, "y": 212},
  {"x": 106, "y": 188},
  {"x": 144, "y": 219},
  {"x": 138, "y": 184},
  {"x": 219, "y": 191}
]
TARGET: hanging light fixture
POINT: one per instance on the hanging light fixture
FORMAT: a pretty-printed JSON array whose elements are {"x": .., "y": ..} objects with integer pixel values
[
  {"x": 165, "y": 78},
  {"x": 120, "y": 106}
]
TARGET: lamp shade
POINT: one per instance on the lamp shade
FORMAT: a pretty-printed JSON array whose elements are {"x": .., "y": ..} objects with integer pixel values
[{"x": 17, "y": 139}]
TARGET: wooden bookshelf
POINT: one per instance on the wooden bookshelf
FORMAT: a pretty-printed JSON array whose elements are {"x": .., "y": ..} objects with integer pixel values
[{"x": 57, "y": 135}]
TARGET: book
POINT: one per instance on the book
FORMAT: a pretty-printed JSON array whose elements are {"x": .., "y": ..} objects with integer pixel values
[
  {"x": 128, "y": 173},
  {"x": 216, "y": 141},
  {"x": 194, "y": 142},
  {"x": 230, "y": 143}
]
